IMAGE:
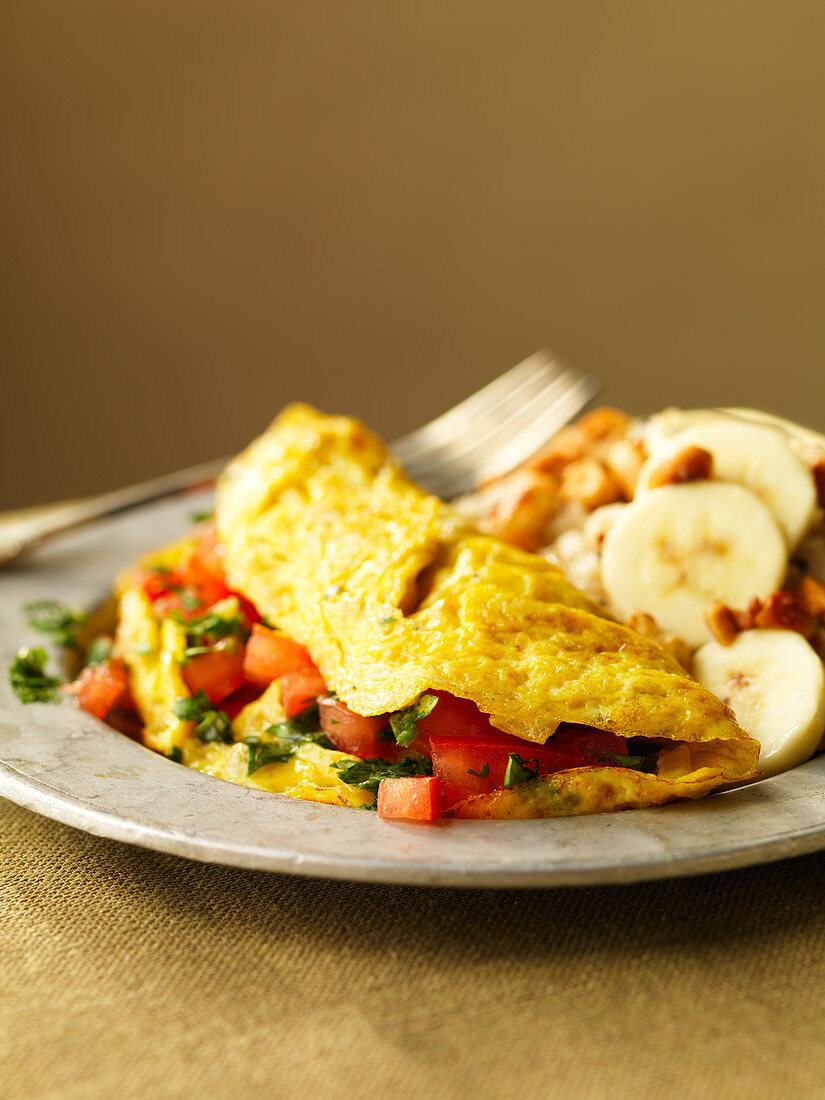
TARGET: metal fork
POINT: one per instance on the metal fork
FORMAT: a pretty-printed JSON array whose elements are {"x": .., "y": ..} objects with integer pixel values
[{"x": 487, "y": 434}]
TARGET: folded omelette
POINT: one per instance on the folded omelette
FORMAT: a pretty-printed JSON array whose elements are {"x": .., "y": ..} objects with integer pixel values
[{"x": 394, "y": 594}]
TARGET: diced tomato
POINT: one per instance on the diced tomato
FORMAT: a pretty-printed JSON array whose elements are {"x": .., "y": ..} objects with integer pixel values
[
  {"x": 234, "y": 704},
  {"x": 248, "y": 610},
  {"x": 300, "y": 689},
  {"x": 457, "y": 758},
  {"x": 351, "y": 732},
  {"x": 157, "y": 583},
  {"x": 269, "y": 655},
  {"x": 210, "y": 553},
  {"x": 186, "y": 603},
  {"x": 203, "y": 572},
  {"x": 99, "y": 688},
  {"x": 589, "y": 741},
  {"x": 219, "y": 672},
  {"x": 456, "y": 717},
  {"x": 417, "y": 798}
]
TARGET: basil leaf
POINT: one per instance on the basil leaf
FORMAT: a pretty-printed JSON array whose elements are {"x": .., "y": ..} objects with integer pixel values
[
  {"x": 28, "y": 677},
  {"x": 519, "y": 771},
  {"x": 404, "y": 723},
  {"x": 636, "y": 763},
  {"x": 368, "y": 773},
  {"x": 55, "y": 619},
  {"x": 99, "y": 650},
  {"x": 286, "y": 738},
  {"x": 212, "y": 724},
  {"x": 262, "y": 753}
]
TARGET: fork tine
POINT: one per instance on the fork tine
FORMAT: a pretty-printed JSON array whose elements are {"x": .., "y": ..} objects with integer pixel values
[
  {"x": 545, "y": 425},
  {"x": 498, "y": 425},
  {"x": 507, "y": 421},
  {"x": 444, "y": 430}
]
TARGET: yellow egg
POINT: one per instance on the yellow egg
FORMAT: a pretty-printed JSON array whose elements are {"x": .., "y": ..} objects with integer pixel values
[{"x": 393, "y": 593}]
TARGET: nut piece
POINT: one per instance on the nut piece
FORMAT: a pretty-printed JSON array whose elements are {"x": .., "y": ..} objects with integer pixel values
[
  {"x": 810, "y": 595},
  {"x": 721, "y": 622},
  {"x": 624, "y": 460},
  {"x": 590, "y": 483},
  {"x": 782, "y": 611},
  {"x": 647, "y": 626},
  {"x": 690, "y": 464},
  {"x": 746, "y": 620},
  {"x": 516, "y": 508},
  {"x": 579, "y": 440}
]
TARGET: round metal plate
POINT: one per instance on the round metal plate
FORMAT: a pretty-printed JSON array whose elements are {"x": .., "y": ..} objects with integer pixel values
[{"x": 61, "y": 762}]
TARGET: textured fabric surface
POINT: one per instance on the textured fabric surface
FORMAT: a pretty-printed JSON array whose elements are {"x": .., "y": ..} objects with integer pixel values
[{"x": 128, "y": 973}]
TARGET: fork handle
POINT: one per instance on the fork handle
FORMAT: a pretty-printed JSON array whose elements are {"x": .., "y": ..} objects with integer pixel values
[{"x": 22, "y": 530}]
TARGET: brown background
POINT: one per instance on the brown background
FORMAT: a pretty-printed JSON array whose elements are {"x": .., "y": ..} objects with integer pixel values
[{"x": 210, "y": 208}]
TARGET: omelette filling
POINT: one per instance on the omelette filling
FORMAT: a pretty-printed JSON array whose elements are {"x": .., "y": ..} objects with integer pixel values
[
  {"x": 343, "y": 637},
  {"x": 196, "y": 674}
]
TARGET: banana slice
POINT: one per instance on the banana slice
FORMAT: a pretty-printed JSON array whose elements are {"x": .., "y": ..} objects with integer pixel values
[
  {"x": 599, "y": 522},
  {"x": 674, "y": 549},
  {"x": 753, "y": 455},
  {"x": 775, "y": 684},
  {"x": 659, "y": 429}
]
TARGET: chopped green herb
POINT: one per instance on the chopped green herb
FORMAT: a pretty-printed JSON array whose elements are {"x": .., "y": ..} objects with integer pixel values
[
  {"x": 485, "y": 771},
  {"x": 367, "y": 774},
  {"x": 385, "y": 620},
  {"x": 28, "y": 678},
  {"x": 142, "y": 648},
  {"x": 201, "y": 517},
  {"x": 189, "y": 599},
  {"x": 519, "y": 771},
  {"x": 286, "y": 738},
  {"x": 385, "y": 734},
  {"x": 57, "y": 620},
  {"x": 212, "y": 724},
  {"x": 404, "y": 723},
  {"x": 175, "y": 755},
  {"x": 262, "y": 753},
  {"x": 99, "y": 650},
  {"x": 637, "y": 763},
  {"x": 207, "y": 629},
  {"x": 195, "y": 651}
]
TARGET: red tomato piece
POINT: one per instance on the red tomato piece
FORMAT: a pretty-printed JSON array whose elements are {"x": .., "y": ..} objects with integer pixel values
[
  {"x": 248, "y": 610},
  {"x": 300, "y": 689},
  {"x": 351, "y": 732},
  {"x": 457, "y": 758},
  {"x": 203, "y": 572},
  {"x": 589, "y": 741},
  {"x": 219, "y": 673},
  {"x": 187, "y": 604},
  {"x": 99, "y": 688},
  {"x": 269, "y": 655},
  {"x": 454, "y": 716},
  {"x": 157, "y": 583},
  {"x": 210, "y": 553},
  {"x": 417, "y": 798},
  {"x": 234, "y": 704}
]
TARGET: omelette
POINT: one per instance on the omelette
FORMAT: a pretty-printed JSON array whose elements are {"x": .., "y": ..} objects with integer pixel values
[{"x": 345, "y": 637}]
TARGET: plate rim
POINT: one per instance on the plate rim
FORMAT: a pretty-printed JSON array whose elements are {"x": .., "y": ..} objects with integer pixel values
[{"x": 52, "y": 568}]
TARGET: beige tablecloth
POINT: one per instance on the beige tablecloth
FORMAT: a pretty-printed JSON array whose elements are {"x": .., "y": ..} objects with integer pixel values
[{"x": 129, "y": 973}]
